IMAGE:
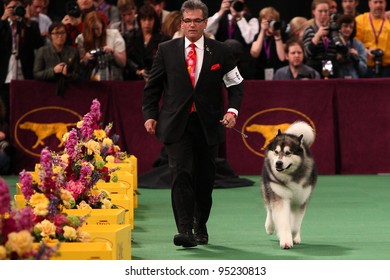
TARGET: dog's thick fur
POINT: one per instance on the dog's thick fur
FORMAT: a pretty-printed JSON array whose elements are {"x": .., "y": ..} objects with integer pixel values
[{"x": 288, "y": 178}]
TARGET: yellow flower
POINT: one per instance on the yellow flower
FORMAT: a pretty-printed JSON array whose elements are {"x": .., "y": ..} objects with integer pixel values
[
  {"x": 93, "y": 147},
  {"x": 110, "y": 159},
  {"x": 70, "y": 233},
  {"x": 65, "y": 137},
  {"x": 104, "y": 193},
  {"x": 3, "y": 253},
  {"x": 80, "y": 124},
  {"x": 65, "y": 158},
  {"x": 99, "y": 134},
  {"x": 117, "y": 148},
  {"x": 98, "y": 157},
  {"x": 67, "y": 199},
  {"x": 46, "y": 228},
  {"x": 83, "y": 205},
  {"x": 20, "y": 242},
  {"x": 57, "y": 169},
  {"x": 40, "y": 203},
  {"x": 107, "y": 204},
  {"x": 83, "y": 236},
  {"x": 107, "y": 142}
]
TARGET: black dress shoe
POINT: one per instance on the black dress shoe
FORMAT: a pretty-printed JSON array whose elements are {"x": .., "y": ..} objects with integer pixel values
[
  {"x": 185, "y": 239},
  {"x": 201, "y": 235}
]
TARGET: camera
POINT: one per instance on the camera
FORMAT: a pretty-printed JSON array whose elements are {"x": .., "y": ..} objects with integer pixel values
[
  {"x": 97, "y": 52},
  {"x": 334, "y": 35},
  {"x": 73, "y": 9},
  {"x": 275, "y": 25},
  {"x": 19, "y": 10},
  {"x": 378, "y": 55},
  {"x": 238, "y": 6}
]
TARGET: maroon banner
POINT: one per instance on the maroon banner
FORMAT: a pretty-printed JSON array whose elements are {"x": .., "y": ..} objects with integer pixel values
[
  {"x": 272, "y": 105},
  {"x": 351, "y": 119}
]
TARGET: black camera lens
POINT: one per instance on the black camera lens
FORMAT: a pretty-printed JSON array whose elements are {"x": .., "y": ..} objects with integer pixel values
[
  {"x": 19, "y": 11},
  {"x": 275, "y": 25},
  {"x": 238, "y": 6},
  {"x": 73, "y": 9}
]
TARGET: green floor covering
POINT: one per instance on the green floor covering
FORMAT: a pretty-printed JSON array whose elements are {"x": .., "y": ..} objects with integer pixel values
[{"x": 348, "y": 218}]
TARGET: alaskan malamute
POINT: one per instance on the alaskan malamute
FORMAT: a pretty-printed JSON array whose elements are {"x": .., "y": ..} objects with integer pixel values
[{"x": 288, "y": 178}]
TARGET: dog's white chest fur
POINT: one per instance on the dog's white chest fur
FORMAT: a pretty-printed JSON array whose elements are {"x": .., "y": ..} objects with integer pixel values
[{"x": 294, "y": 192}]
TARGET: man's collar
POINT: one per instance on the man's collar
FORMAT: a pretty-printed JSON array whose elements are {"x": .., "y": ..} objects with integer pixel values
[{"x": 199, "y": 44}]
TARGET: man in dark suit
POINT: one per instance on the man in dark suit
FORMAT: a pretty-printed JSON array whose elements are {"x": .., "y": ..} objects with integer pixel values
[
  {"x": 190, "y": 116},
  {"x": 19, "y": 38}
]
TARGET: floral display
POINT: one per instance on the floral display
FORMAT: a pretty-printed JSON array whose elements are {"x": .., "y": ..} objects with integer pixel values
[
  {"x": 16, "y": 232},
  {"x": 67, "y": 179}
]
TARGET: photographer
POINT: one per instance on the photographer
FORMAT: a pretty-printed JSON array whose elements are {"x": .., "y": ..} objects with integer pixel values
[
  {"x": 19, "y": 38},
  {"x": 296, "y": 70},
  {"x": 102, "y": 50},
  {"x": 319, "y": 43},
  {"x": 373, "y": 30},
  {"x": 234, "y": 21},
  {"x": 57, "y": 61},
  {"x": 352, "y": 61},
  {"x": 268, "y": 47},
  {"x": 73, "y": 23}
]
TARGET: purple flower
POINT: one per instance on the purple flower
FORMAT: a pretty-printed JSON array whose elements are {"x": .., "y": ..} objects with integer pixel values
[
  {"x": 71, "y": 144},
  {"x": 25, "y": 219},
  {"x": 5, "y": 197},
  {"x": 95, "y": 110}
]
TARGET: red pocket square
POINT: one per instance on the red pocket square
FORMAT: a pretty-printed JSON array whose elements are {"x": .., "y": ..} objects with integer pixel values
[{"x": 215, "y": 67}]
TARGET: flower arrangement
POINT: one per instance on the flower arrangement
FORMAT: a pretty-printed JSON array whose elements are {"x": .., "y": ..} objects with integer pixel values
[
  {"x": 67, "y": 179},
  {"x": 16, "y": 237}
]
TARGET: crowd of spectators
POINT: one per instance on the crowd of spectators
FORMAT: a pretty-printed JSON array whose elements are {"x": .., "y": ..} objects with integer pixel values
[{"x": 118, "y": 39}]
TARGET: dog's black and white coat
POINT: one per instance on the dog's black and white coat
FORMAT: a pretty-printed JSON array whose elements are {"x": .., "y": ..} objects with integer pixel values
[{"x": 288, "y": 178}]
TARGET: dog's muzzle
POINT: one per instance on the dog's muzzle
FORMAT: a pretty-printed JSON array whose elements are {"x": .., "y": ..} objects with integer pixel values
[{"x": 279, "y": 166}]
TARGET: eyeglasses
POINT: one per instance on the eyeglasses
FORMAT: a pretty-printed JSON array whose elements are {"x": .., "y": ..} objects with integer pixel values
[
  {"x": 58, "y": 33},
  {"x": 194, "y": 21}
]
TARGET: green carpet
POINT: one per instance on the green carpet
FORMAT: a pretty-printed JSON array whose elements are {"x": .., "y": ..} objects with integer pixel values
[{"x": 348, "y": 218}]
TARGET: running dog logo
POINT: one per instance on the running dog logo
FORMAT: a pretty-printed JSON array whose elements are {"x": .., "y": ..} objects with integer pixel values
[
  {"x": 32, "y": 130},
  {"x": 268, "y": 131},
  {"x": 44, "y": 130},
  {"x": 263, "y": 126}
]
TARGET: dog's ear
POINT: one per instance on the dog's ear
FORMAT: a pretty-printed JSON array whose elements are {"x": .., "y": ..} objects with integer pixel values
[
  {"x": 300, "y": 138},
  {"x": 279, "y": 132}
]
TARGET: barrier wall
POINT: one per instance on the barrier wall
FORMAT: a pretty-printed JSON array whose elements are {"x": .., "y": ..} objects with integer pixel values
[{"x": 351, "y": 118}]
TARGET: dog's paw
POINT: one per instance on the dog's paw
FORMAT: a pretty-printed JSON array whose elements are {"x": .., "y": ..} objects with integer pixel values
[
  {"x": 297, "y": 239},
  {"x": 286, "y": 244}
]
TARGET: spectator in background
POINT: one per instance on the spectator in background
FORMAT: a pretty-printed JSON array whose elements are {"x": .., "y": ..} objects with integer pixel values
[
  {"x": 268, "y": 47},
  {"x": 146, "y": 42},
  {"x": 35, "y": 8},
  {"x": 73, "y": 22},
  {"x": 297, "y": 27},
  {"x": 234, "y": 21},
  {"x": 19, "y": 38},
  {"x": 373, "y": 30},
  {"x": 102, "y": 50},
  {"x": 57, "y": 61},
  {"x": 350, "y": 7},
  {"x": 352, "y": 62},
  {"x": 128, "y": 27},
  {"x": 5, "y": 148},
  {"x": 320, "y": 50},
  {"x": 111, "y": 11},
  {"x": 171, "y": 24},
  {"x": 333, "y": 7},
  {"x": 296, "y": 70},
  {"x": 159, "y": 7},
  {"x": 86, "y": 6}
]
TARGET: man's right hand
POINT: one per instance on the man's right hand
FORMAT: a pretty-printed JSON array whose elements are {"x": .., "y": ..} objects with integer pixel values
[
  {"x": 225, "y": 6},
  {"x": 150, "y": 126}
]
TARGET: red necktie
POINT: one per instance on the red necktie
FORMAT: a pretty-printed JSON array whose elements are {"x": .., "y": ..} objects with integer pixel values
[{"x": 191, "y": 67}]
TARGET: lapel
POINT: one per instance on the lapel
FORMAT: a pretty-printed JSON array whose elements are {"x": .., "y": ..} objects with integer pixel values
[{"x": 207, "y": 55}]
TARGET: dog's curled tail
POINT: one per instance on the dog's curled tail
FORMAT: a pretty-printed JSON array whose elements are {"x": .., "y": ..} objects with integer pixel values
[{"x": 299, "y": 128}]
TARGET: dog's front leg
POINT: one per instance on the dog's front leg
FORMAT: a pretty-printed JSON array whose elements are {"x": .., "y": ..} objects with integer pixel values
[{"x": 281, "y": 214}]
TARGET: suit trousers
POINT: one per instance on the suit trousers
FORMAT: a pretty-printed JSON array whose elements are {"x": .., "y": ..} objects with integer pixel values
[{"x": 192, "y": 169}]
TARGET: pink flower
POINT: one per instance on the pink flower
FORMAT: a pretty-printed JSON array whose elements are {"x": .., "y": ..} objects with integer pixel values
[
  {"x": 76, "y": 188},
  {"x": 25, "y": 179},
  {"x": 5, "y": 197}
]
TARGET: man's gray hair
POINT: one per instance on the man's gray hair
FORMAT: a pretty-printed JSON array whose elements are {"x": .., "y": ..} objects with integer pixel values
[{"x": 195, "y": 5}]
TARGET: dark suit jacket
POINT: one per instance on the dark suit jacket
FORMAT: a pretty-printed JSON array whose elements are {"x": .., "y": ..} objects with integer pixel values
[
  {"x": 29, "y": 42},
  {"x": 169, "y": 79},
  {"x": 47, "y": 58}
]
